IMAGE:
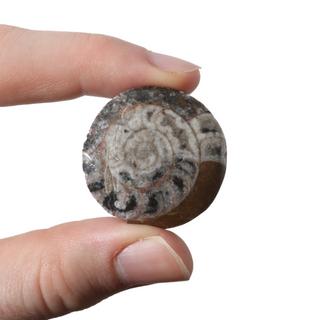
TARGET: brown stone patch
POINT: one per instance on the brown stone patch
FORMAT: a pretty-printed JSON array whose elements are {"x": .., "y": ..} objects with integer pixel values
[{"x": 206, "y": 188}]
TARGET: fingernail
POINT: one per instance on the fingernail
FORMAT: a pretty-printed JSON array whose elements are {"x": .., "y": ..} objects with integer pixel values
[
  {"x": 171, "y": 64},
  {"x": 149, "y": 261}
]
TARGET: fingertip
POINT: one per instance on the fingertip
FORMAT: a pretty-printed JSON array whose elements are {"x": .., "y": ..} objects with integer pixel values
[
  {"x": 179, "y": 246},
  {"x": 172, "y": 72},
  {"x": 114, "y": 66},
  {"x": 190, "y": 82},
  {"x": 141, "y": 254},
  {"x": 148, "y": 261}
]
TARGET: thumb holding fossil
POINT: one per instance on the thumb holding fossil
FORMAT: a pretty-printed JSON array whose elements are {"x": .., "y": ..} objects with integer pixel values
[{"x": 70, "y": 267}]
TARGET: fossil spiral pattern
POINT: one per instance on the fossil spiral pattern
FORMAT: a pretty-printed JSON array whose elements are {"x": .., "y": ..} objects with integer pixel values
[{"x": 146, "y": 152}]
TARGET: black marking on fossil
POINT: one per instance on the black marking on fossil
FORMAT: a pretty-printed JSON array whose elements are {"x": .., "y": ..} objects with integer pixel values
[
  {"x": 110, "y": 199},
  {"x": 179, "y": 183},
  {"x": 154, "y": 202},
  {"x": 211, "y": 150},
  {"x": 186, "y": 165},
  {"x": 89, "y": 167},
  {"x": 93, "y": 187},
  {"x": 206, "y": 130},
  {"x": 177, "y": 132},
  {"x": 125, "y": 176},
  {"x": 149, "y": 115}
]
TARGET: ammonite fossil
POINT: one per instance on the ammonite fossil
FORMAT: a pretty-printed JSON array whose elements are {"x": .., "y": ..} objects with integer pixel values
[{"x": 155, "y": 156}]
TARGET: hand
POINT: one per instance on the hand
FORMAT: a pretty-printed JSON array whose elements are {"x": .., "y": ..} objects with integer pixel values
[{"x": 48, "y": 273}]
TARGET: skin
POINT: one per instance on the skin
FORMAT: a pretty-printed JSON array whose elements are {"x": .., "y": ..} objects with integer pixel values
[{"x": 69, "y": 267}]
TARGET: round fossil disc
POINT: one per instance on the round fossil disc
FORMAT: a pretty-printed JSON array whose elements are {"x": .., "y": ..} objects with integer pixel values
[{"x": 155, "y": 156}]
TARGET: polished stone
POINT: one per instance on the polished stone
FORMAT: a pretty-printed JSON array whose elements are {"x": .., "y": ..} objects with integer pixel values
[{"x": 155, "y": 156}]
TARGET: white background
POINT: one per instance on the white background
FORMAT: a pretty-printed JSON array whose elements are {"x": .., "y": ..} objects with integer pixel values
[{"x": 256, "y": 250}]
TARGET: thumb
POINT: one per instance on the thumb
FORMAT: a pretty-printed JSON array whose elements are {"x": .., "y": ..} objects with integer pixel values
[{"x": 49, "y": 273}]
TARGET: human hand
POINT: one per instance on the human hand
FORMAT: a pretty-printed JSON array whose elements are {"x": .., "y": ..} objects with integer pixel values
[{"x": 48, "y": 273}]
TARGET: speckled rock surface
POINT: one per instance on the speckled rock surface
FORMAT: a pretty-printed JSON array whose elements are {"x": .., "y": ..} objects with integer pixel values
[{"x": 155, "y": 156}]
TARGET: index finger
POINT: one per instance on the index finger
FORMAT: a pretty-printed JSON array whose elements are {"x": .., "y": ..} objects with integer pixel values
[{"x": 42, "y": 66}]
